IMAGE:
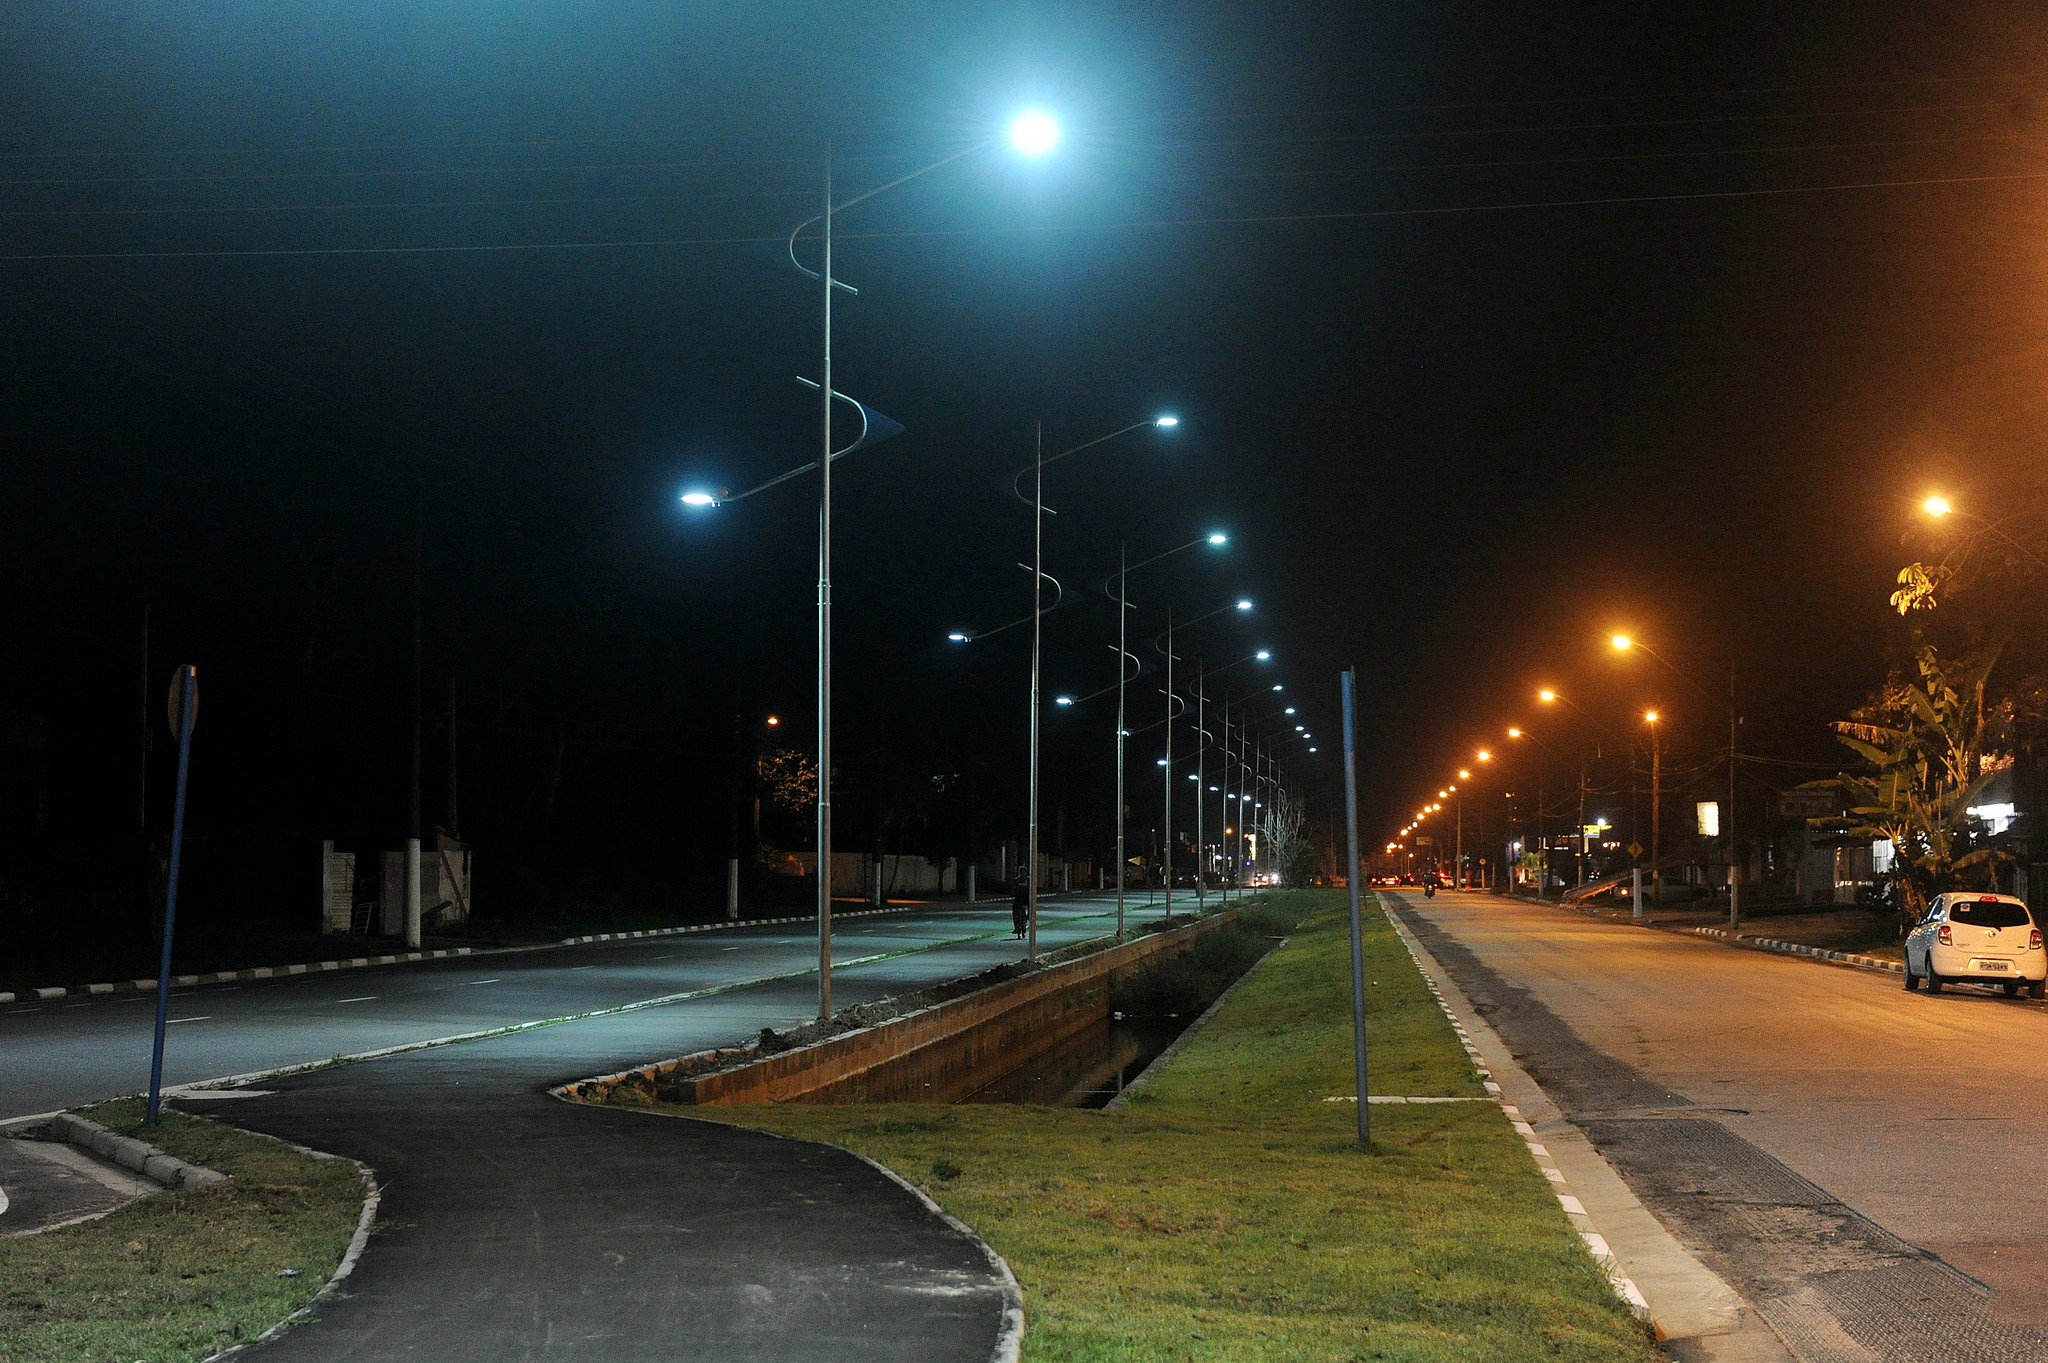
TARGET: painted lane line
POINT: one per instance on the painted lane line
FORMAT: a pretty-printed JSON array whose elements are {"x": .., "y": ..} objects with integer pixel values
[
  {"x": 360, "y": 998},
  {"x": 513, "y": 1029},
  {"x": 474, "y": 983},
  {"x": 203, "y": 1017},
  {"x": 592, "y": 967}
]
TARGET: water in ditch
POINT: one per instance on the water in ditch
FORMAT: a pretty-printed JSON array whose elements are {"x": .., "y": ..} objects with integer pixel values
[{"x": 1086, "y": 1070}]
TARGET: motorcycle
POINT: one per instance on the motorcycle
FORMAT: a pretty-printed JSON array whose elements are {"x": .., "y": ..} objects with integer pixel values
[{"x": 1429, "y": 890}]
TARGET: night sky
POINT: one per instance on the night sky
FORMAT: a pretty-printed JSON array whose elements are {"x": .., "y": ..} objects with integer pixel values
[{"x": 1492, "y": 329}]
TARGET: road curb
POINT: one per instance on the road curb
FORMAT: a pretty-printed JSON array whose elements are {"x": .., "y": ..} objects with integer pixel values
[
  {"x": 1850, "y": 959},
  {"x": 135, "y": 1156},
  {"x": 276, "y": 972}
]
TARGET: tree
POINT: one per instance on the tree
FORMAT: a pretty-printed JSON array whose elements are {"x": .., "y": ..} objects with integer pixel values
[
  {"x": 1285, "y": 828},
  {"x": 1929, "y": 750}
]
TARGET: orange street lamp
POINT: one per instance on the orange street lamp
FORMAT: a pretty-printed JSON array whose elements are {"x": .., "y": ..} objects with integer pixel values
[
  {"x": 1622, "y": 643},
  {"x": 1936, "y": 506},
  {"x": 1485, "y": 756}
]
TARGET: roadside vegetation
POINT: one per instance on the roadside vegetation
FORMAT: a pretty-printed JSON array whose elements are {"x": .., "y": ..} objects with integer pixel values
[
  {"x": 180, "y": 1275},
  {"x": 1227, "y": 1213}
]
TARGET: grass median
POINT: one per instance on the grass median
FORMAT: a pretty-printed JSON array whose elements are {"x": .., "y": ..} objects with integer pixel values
[
  {"x": 1227, "y": 1212},
  {"x": 180, "y": 1275}
]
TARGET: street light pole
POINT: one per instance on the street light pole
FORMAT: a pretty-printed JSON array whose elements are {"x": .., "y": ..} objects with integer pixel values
[
  {"x": 1037, "y": 612},
  {"x": 1123, "y": 658},
  {"x": 1166, "y": 856},
  {"x": 1201, "y": 799},
  {"x": 825, "y": 618}
]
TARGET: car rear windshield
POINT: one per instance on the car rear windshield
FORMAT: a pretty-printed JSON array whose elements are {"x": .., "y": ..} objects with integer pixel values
[{"x": 1989, "y": 913}]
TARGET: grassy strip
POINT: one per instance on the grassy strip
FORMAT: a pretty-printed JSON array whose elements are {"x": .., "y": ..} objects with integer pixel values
[
  {"x": 180, "y": 1275},
  {"x": 1227, "y": 1213}
]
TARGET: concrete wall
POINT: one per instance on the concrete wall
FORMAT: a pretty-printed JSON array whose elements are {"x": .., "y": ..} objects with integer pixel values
[
  {"x": 939, "y": 1054},
  {"x": 337, "y": 888}
]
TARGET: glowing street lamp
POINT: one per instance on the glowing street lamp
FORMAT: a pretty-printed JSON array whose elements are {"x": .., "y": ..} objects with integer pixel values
[
  {"x": 1035, "y": 132},
  {"x": 1936, "y": 506}
]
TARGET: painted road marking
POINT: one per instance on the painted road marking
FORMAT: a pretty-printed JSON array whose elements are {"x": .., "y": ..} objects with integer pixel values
[
  {"x": 360, "y": 998},
  {"x": 204, "y": 1017},
  {"x": 477, "y": 982},
  {"x": 592, "y": 967}
]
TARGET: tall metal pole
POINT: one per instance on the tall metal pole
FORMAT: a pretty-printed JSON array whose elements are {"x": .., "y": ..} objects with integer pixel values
[
  {"x": 186, "y": 693},
  {"x": 1201, "y": 794},
  {"x": 1734, "y": 869},
  {"x": 1123, "y": 611},
  {"x": 1224, "y": 838},
  {"x": 825, "y": 622},
  {"x": 412, "y": 824},
  {"x": 1166, "y": 855},
  {"x": 1357, "y": 931},
  {"x": 1656, "y": 814},
  {"x": 1037, "y": 596},
  {"x": 1458, "y": 879}
]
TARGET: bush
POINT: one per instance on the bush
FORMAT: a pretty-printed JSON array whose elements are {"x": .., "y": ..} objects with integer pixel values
[{"x": 1189, "y": 982}]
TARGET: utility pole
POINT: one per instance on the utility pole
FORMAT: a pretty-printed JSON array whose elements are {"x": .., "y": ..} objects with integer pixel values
[
  {"x": 1734, "y": 863},
  {"x": 1458, "y": 878},
  {"x": 1582, "y": 818},
  {"x": 1656, "y": 813},
  {"x": 1351, "y": 879}
]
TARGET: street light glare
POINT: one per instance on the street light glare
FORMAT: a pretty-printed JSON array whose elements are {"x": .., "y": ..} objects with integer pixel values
[
  {"x": 1218, "y": 537},
  {"x": 1167, "y": 422},
  {"x": 1265, "y": 655},
  {"x": 1244, "y": 605},
  {"x": 1650, "y": 715},
  {"x": 1290, "y": 710},
  {"x": 958, "y": 636},
  {"x": 1936, "y": 505},
  {"x": 699, "y": 499},
  {"x": 1485, "y": 756},
  {"x": 1623, "y": 643},
  {"x": 774, "y": 720},
  {"x": 1034, "y": 132},
  {"x": 1546, "y": 696},
  {"x": 1062, "y": 700},
  {"x": 1514, "y": 733}
]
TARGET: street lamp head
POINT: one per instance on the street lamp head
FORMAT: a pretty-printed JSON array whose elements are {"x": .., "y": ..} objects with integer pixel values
[
  {"x": 1245, "y": 604},
  {"x": 1936, "y": 506},
  {"x": 1514, "y": 733},
  {"x": 1159, "y": 762},
  {"x": 1034, "y": 133},
  {"x": 1166, "y": 423},
  {"x": 1311, "y": 747},
  {"x": 1278, "y": 687},
  {"x": 700, "y": 499},
  {"x": 1264, "y": 655},
  {"x": 1622, "y": 643},
  {"x": 1218, "y": 537},
  {"x": 1546, "y": 695},
  {"x": 1062, "y": 700},
  {"x": 774, "y": 720},
  {"x": 1650, "y": 715},
  {"x": 1289, "y": 710},
  {"x": 960, "y": 636},
  {"x": 1485, "y": 756}
]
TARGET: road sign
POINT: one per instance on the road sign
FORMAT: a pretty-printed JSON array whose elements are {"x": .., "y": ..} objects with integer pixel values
[
  {"x": 1800, "y": 803},
  {"x": 1635, "y": 849}
]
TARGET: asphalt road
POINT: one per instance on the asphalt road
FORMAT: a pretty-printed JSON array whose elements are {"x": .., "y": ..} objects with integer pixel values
[
  {"x": 517, "y": 1226},
  {"x": 65, "y": 1052},
  {"x": 1868, "y": 1167}
]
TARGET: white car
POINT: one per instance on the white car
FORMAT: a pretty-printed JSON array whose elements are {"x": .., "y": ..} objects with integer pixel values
[{"x": 1978, "y": 939}]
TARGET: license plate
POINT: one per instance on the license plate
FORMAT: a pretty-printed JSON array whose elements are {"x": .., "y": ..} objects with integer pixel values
[{"x": 1991, "y": 965}]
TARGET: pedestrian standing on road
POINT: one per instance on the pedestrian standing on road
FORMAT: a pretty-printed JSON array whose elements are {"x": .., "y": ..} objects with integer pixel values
[{"x": 1020, "y": 910}]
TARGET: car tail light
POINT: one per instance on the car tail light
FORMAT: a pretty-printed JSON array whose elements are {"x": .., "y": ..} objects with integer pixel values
[
  {"x": 1945, "y": 936},
  {"x": 2034, "y": 938}
]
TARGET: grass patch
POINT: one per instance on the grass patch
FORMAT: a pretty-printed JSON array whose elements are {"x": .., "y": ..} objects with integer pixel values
[
  {"x": 180, "y": 1274},
  {"x": 1183, "y": 985},
  {"x": 1227, "y": 1213}
]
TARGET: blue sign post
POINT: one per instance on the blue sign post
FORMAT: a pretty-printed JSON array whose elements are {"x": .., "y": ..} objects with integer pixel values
[{"x": 184, "y": 711}]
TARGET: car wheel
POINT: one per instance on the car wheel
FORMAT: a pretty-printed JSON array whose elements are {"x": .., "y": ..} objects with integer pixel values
[
  {"x": 2037, "y": 988},
  {"x": 1933, "y": 980},
  {"x": 2012, "y": 989},
  {"x": 1912, "y": 980}
]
